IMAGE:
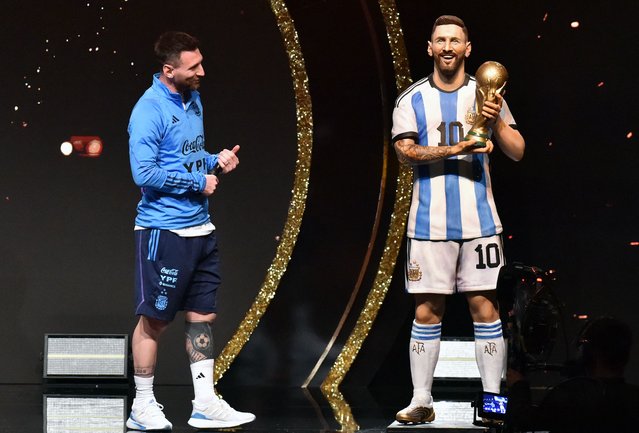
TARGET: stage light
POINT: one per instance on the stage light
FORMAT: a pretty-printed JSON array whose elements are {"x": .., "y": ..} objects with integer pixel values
[
  {"x": 94, "y": 147},
  {"x": 67, "y": 413},
  {"x": 66, "y": 148},
  {"x": 83, "y": 356},
  {"x": 87, "y": 145}
]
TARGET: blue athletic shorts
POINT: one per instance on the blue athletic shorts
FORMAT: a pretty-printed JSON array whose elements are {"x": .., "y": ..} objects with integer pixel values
[{"x": 174, "y": 273}]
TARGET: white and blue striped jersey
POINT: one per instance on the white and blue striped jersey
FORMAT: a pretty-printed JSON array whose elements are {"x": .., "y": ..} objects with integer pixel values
[{"x": 452, "y": 198}]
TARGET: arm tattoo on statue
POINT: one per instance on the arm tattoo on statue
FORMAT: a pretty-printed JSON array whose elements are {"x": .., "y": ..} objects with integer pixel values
[
  {"x": 199, "y": 341},
  {"x": 413, "y": 154}
]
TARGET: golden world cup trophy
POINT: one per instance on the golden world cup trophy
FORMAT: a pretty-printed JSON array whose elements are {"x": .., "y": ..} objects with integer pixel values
[{"x": 491, "y": 80}]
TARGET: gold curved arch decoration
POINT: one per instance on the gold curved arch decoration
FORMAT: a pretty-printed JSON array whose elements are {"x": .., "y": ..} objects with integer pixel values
[
  {"x": 298, "y": 200},
  {"x": 375, "y": 228},
  {"x": 396, "y": 229}
]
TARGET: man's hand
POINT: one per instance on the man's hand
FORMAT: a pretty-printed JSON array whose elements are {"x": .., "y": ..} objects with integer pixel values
[
  {"x": 491, "y": 110},
  {"x": 228, "y": 160},
  {"x": 509, "y": 139},
  {"x": 211, "y": 184},
  {"x": 467, "y": 147}
]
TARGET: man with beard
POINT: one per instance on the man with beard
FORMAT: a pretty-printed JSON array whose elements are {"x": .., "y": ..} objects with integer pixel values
[
  {"x": 454, "y": 242},
  {"x": 177, "y": 266}
]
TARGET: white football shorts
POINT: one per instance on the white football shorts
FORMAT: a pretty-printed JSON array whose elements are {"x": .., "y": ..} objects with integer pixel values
[{"x": 447, "y": 267}]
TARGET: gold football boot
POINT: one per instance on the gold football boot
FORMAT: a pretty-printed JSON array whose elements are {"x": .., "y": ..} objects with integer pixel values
[{"x": 415, "y": 414}]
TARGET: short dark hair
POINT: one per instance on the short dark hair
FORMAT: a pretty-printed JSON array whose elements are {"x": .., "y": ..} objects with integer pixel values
[
  {"x": 450, "y": 19},
  {"x": 170, "y": 45}
]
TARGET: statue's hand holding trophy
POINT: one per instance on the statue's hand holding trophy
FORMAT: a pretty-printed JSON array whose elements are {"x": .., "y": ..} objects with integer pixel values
[{"x": 491, "y": 80}]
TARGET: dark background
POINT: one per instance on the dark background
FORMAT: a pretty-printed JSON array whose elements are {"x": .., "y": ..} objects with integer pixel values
[{"x": 66, "y": 249}]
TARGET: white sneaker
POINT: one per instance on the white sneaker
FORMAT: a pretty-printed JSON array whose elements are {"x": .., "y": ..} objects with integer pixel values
[
  {"x": 217, "y": 414},
  {"x": 148, "y": 416}
]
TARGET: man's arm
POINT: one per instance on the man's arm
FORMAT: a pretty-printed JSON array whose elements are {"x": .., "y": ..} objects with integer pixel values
[
  {"x": 411, "y": 153},
  {"x": 148, "y": 174},
  {"x": 510, "y": 141},
  {"x": 145, "y": 131}
]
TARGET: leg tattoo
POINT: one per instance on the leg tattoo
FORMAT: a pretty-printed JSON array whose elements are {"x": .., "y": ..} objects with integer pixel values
[
  {"x": 199, "y": 341},
  {"x": 144, "y": 371}
]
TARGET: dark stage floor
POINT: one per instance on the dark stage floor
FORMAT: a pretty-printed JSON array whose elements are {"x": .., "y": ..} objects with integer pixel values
[{"x": 35, "y": 408}]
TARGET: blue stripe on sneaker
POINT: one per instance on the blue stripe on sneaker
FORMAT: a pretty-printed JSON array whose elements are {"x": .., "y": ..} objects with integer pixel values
[
  {"x": 137, "y": 424},
  {"x": 198, "y": 415}
]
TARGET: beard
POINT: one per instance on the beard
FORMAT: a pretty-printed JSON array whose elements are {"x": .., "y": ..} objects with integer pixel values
[
  {"x": 188, "y": 84},
  {"x": 193, "y": 84},
  {"x": 449, "y": 69}
]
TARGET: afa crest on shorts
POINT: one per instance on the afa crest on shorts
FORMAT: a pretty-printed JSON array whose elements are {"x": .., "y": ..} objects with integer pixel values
[
  {"x": 161, "y": 302},
  {"x": 414, "y": 272}
]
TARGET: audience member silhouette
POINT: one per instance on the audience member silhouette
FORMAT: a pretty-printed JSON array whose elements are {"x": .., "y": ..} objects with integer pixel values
[{"x": 597, "y": 400}]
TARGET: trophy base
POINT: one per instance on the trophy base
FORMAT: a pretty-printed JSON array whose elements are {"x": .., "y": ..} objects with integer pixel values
[{"x": 480, "y": 139}]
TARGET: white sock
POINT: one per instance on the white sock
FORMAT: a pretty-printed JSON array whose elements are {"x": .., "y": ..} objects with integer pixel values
[
  {"x": 490, "y": 352},
  {"x": 143, "y": 389},
  {"x": 202, "y": 374},
  {"x": 424, "y": 352}
]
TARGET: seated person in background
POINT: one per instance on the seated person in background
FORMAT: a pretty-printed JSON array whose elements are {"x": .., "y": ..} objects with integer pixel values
[{"x": 599, "y": 400}]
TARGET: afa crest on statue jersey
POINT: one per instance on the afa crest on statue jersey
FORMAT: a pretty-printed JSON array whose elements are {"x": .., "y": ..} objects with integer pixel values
[{"x": 471, "y": 116}]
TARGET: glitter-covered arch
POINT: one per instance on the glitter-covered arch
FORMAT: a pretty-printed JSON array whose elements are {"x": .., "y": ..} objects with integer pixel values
[
  {"x": 396, "y": 229},
  {"x": 298, "y": 200}
]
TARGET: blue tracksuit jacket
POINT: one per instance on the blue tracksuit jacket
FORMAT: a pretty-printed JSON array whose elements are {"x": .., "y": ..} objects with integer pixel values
[{"x": 168, "y": 160}]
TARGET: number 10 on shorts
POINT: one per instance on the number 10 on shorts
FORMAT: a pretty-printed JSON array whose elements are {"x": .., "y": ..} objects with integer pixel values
[{"x": 488, "y": 256}]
